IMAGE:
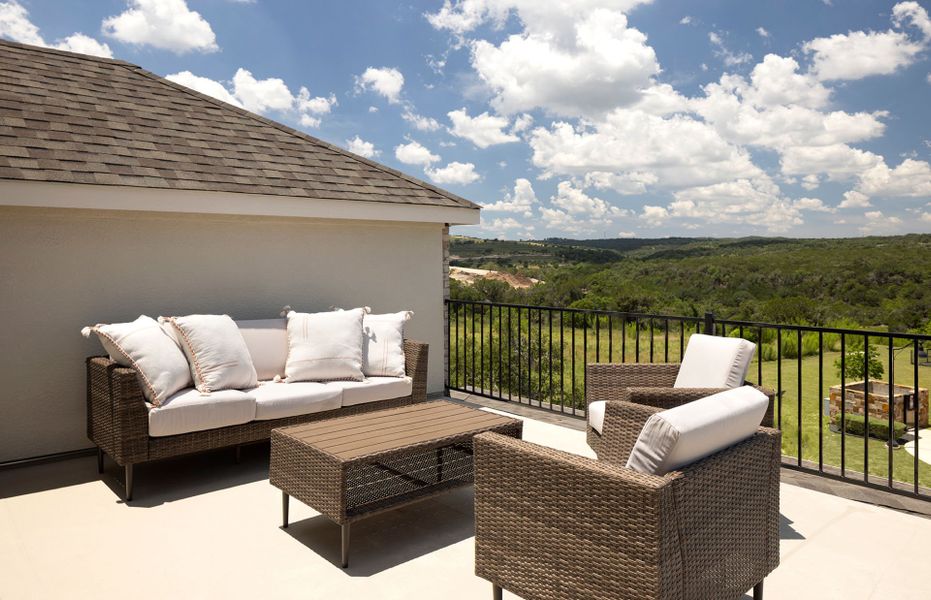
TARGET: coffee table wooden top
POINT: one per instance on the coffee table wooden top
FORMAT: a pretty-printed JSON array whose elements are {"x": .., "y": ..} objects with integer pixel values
[{"x": 364, "y": 435}]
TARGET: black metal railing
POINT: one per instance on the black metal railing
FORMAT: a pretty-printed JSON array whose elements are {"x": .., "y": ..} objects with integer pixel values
[{"x": 847, "y": 405}]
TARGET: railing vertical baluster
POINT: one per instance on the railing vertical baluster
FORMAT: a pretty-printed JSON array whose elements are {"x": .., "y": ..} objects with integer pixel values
[
  {"x": 481, "y": 348},
  {"x": 520, "y": 363},
  {"x": 500, "y": 370},
  {"x": 866, "y": 408},
  {"x": 510, "y": 356},
  {"x": 549, "y": 320},
  {"x": 759, "y": 357},
  {"x": 651, "y": 340},
  {"x": 637, "y": 340},
  {"x": 891, "y": 411},
  {"x": 843, "y": 405},
  {"x": 681, "y": 339},
  {"x": 540, "y": 357},
  {"x": 562, "y": 364},
  {"x": 529, "y": 355},
  {"x": 610, "y": 338},
  {"x": 624, "y": 338},
  {"x": 459, "y": 345},
  {"x": 665, "y": 340},
  {"x": 472, "y": 340},
  {"x": 597, "y": 338},
  {"x": 820, "y": 401},
  {"x": 572, "y": 329},
  {"x": 584, "y": 357},
  {"x": 779, "y": 393},
  {"x": 798, "y": 341},
  {"x": 916, "y": 403},
  {"x": 449, "y": 347}
]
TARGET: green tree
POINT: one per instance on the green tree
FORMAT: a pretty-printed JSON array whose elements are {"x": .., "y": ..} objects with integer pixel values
[{"x": 855, "y": 364}]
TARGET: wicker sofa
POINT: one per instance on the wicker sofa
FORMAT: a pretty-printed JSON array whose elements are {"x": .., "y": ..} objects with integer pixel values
[
  {"x": 550, "y": 524},
  {"x": 119, "y": 418}
]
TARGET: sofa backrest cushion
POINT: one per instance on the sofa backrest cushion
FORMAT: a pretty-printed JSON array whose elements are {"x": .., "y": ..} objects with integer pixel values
[
  {"x": 143, "y": 345},
  {"x": 714, "y": 362},
  {"x": 677, "y": 437},
  {"x": 267, "y": 341},
  {"x": 215, "y": 350}
]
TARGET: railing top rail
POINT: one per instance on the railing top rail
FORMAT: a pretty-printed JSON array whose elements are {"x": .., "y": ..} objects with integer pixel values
[{"x": 912, "y": 337}]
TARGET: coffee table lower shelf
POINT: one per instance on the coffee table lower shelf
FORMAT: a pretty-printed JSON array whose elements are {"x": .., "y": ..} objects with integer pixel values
[{"x": 350, "y": 468}]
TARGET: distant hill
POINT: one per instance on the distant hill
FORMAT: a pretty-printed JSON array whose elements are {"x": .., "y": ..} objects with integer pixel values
[{"x": 862, "y": 281}]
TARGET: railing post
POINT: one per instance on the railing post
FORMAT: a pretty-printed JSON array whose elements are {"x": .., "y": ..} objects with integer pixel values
[{"x": 709, "y": 323}]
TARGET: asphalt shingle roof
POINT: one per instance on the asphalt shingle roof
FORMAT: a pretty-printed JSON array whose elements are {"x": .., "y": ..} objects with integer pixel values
[{"x": 72, "y": 118}]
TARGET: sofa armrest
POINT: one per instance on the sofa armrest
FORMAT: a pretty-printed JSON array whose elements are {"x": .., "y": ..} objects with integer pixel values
[
  {"x": 605, "y": 381},
  {"x": 729, "y": 505},
  {"x": 415, "y": 365},
  {"x": 622, "y": 425},
  {"x": 117, "y": 416},
  {"x": 550, "y": 524}
]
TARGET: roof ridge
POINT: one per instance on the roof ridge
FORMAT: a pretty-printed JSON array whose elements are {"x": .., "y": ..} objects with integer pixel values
[
  {"x": 295, "y": 132},
  {"x": 79, "y": 55}
]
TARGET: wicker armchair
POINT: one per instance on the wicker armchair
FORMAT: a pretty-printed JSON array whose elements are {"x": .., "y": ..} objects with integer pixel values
[
  {"x": 550, "y": 524},
  {"x": 650, "y": 384}
]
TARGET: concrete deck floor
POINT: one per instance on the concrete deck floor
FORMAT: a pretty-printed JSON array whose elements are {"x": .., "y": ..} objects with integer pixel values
[{"x": 205, "y": 527}]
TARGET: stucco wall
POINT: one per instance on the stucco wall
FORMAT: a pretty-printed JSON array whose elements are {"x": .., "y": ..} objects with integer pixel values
[{"x": 63, "y": 269}]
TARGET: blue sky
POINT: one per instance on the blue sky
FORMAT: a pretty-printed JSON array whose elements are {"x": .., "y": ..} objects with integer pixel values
[{"x": 584, "y": 118}]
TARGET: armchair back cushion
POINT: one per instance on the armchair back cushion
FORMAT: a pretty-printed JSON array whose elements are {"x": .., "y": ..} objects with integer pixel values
[
  {"x": 674, "y": 438},
  {"x": 267, "y": 341},
  {"x": 714, "y": 362}
]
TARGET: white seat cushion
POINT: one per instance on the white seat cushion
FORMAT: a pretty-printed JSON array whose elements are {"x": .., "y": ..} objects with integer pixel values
[
  {"x": 190, "y": 410},
  {"x": 280, "y": 400},
  {"x": 372, "y": 389},
  {"x": 714, "y": 362},
  {"x": 267, "y": 341},
  {"x": 596, "y": 415},
  {"x": 677, "y": 437}
]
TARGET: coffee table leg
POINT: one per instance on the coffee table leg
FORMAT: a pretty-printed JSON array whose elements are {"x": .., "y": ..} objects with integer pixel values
[
  {"x": 284, "y": 509},
  {"x": 345, "y": 549}
]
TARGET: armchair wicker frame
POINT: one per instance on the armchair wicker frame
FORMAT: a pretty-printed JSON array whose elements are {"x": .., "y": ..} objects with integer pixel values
[
  {"x": 649, "y": 384},
  {"x": 118, "y": 422},
  {"x": 555, "y": 525}
]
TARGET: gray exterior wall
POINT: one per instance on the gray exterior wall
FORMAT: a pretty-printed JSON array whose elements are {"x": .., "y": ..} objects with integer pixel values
[{"x": 62, "y": 269}]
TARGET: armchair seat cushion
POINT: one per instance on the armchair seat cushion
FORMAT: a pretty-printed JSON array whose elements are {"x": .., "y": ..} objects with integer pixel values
[
  {"x": 190, "y": 410},
  {"x": 372, "y": 389},
  {"x": 714, "y": 362},
  {"x": 677, "y": 437},
  {"x": 280, "y": 400},
  {"x": 596, "y": 415}
]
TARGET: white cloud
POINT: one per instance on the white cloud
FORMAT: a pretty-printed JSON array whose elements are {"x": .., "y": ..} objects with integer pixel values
[
  {"x": 762, "y": 32},
  {"x": 838, "y": 161},
  {"x": 729, "y": 58},
  {"x": 413, "y": 153},
  {"x": 925, "y": 217},
  {"x": 625, "y": 184},
  {"x": 859, "y": 54},
  {"x": 686, "y": 20},
  {"x": 385, "y": 81},
  {"x": 576, "y": 202},
  {"x": 15, "y": 25},
  {"x": 359, "y": 146},
  {"x": 756, "y": 202},
  {"x": 598, "y": 64},
  {"x": 813, "y": 205},
  {"x": 373, "y": 109},
  {"x": 483, "y": 130},
  {"x": 164, "y": 24},
  {"x": 521, "y": 200},
  {"x": 455, "y": 173},
  {"x": 420, "y": 122},
  {"x": 912, "y": 178},
  {"x": 261, "y": 95},
  {"x": 878, "y": 223},
  {"x": 654, "y": 215},
  {"x": 626, "y": 234},
  {"x": 854, "y": 199},
  {"x": 522, "y": 123},
  {"x": 204, "y": 85}
]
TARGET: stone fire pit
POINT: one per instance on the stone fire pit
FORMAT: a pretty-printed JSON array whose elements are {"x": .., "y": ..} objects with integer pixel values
[{"x": 903, "y": 403}]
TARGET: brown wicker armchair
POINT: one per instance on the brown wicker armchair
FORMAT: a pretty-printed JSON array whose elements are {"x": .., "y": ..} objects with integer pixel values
[
  {"x": 549, "y": 524},
  {"x": 650, "y": 384}
]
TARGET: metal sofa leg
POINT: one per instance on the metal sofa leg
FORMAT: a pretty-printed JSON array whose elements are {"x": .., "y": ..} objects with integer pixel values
[
  {"x": 99, "y": 460},
  {"x": 128, "y": 481},
  {"x": 497, "y": 593},
  {"x": 758, "y": 591}
]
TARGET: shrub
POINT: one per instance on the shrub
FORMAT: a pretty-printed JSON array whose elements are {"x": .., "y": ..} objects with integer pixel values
[{"x": 879, "y": 428}]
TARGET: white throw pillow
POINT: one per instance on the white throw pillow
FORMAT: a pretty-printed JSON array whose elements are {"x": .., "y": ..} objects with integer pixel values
[
  {"x": 677, "y": 437},
  {"x": 714, "y": 362},
  {"x": 383, "y": 344},
  {"x": 325, "y": 346},
  {"x": 160, "y": 365},
  {"x": 218, "y": 355}
]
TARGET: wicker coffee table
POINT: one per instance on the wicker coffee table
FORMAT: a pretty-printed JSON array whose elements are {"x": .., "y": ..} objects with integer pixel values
[{"x": 353, "y": 467}]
